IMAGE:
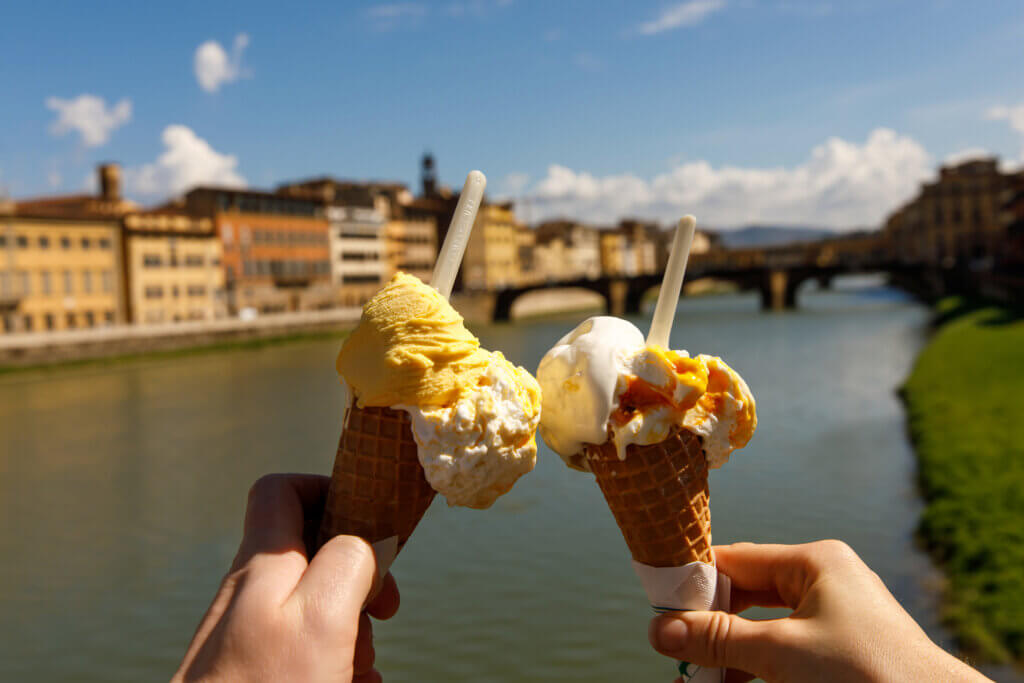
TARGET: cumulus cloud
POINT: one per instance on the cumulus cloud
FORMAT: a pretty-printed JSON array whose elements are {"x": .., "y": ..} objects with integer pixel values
[
  {"x": 1012, "y": 115},
  {"x": 89, "y": 116},
  {"x": 968, "y": 154},
  {"x": 214, "y": 67},
  {"x": 841, "y": 184},
  {"x": 681, "y": 14},
  {"x": 187, "y": 160}
]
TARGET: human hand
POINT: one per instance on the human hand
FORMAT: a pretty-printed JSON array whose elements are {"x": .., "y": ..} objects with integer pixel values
[
  {"x": 279, "y": 616},
  {"x": 845, "y": 625}
]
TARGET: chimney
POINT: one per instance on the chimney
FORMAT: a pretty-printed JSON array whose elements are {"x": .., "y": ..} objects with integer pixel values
[{"x": 110, "y": 182}]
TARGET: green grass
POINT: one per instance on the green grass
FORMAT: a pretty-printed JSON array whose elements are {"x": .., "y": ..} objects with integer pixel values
[
  {"x": 199, "y": 349},
  {"x": 965, "y": 400}
]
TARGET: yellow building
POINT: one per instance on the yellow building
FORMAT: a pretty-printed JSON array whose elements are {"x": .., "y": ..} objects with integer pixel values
[
  {"x": 410, "y": 243},
  {"x": 173, "y": 267},
  {"x": 58, "y": 273},
  {"x": 492, "y": 254},
  {"x": 613, "y": 252}
]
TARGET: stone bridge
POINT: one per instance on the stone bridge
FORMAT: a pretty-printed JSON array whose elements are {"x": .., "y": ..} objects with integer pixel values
[{"x": 775, "y": 272}]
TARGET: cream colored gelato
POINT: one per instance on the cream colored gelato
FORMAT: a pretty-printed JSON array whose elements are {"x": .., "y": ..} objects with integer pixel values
[
  {"x": 602, "y": 379},
  {"x": 475, "y": 449}
]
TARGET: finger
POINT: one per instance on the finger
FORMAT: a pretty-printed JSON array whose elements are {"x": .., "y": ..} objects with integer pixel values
[
  {"x": 362, "y": 661},
  {"x": 782, "y": 570},
  {"x": 737, "y": 676},
  {"x": 716, "y": 639},
  {"x": 741, "y": 600},
  {"x": 337, "y": 581},
  {"x": 373, "y": 676},
  {"x": 385, "y": 603},
  {"x": 276, "y": 513}
]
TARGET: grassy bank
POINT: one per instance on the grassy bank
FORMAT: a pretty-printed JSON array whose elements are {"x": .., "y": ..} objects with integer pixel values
[
  {"x": 965, "y": 400},
  {"x": 216, "y": 347}
]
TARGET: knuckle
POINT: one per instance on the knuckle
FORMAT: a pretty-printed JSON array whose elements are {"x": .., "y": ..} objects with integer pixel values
[
  {"x": 717, "y": 637},
  {"x": 262, "y": 485}
]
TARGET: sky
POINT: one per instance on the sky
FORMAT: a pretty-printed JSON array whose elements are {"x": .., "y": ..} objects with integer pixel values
[{"x": 795, "y": 112}]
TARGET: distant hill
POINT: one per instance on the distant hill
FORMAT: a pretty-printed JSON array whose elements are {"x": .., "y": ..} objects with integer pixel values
[{"x": 769, "y": 235}]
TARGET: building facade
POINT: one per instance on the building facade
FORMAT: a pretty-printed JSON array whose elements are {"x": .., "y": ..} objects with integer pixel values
[
  {"x": 173, "y": 268},
  {"x": 492, "y": 253},
  {"x": 59, "y": 273},
  {"x": 276, "y": 251},
  {"x": 411, "y": 242},
  {"x": 954, "y": 219},
  {"x": 581, "y": 245}
]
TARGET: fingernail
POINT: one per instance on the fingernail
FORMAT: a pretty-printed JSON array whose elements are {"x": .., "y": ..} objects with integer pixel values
[{"x": 670, "y": 635}]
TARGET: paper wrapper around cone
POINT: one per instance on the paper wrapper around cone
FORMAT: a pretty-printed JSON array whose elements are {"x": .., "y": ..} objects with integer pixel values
[
  {"x": 659, "y": 497},
  {"x": 378, "y": 490}
]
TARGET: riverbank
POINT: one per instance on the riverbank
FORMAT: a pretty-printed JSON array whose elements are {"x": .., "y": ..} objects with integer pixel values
[
  {"x": 31, "y": 351},
  {"x": 964, "y": 400}
]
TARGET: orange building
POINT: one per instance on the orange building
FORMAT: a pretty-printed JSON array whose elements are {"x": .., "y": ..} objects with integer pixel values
[{"x": 276, "y": 252}]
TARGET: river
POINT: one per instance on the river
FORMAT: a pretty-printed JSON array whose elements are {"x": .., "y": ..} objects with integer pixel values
[{"x": 122, "y": 489}]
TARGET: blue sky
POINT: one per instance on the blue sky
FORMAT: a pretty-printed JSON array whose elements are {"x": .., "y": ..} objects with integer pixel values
[{"x": 794, "y": 111}]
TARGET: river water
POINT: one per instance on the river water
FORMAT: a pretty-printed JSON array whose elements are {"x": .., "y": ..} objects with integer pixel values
[{"x": 122, "y": 490}]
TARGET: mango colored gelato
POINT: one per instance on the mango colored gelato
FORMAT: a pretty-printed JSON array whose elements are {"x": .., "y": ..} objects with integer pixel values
[
  {"x": 474, "y": 414},
  {"x": 411, "y": 347}
]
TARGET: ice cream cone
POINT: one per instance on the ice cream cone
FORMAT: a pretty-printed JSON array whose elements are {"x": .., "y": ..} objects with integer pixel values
[
  {"x": 659, "y": 497},
  {"x": 377, "y": 489}
]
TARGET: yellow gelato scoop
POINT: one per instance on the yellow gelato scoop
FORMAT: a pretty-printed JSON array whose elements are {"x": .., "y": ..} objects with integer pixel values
[{"x": 411, "y": 348}]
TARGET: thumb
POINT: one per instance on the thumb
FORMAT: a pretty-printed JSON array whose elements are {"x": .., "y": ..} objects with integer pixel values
[
  {"x": 339, "y": 578},
  {"x": 715, "y": 639}
]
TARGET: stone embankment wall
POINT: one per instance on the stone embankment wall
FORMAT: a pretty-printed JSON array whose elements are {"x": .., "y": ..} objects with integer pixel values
[{"x": 57, "y": 347}]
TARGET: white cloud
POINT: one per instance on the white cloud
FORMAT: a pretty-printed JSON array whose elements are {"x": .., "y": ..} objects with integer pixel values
[
  {"x": 840, "y": 185},
  {"x": 1012, "y": 115},
  {"x": 681, "y": 14},
  {"x": 389, "y": 16},
  {"x": 89, "y": 116},
  {"x": 53, "y": 178},
  {"x": 966, "y": 155},
  {"x": 214, "y": 67},
  {"x": 187, "y": 160}
]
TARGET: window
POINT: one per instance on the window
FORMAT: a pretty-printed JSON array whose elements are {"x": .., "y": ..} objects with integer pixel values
[
  {"x": 48, "y": 321},
  {"x": 26, "y": 283},
  {"x": 27, "y": 323},
  {"x": 22, "y": 242},
  {"x": 196, "y": 290},
  {"x": 65, "y": 242},
  {"x": 69, "y": 320},
  {"x": 174, "y": 291},
  {"x": 87, "y": 282},
  {"x": 90, "y": 319},
  {"x": 8, "y": 323},
  {"x": 154, "y": 292},
  {"x": 67, "y": 282},
  {"x": 107, "y": 281},
  {"x": 3, "y": 240},
  {"x": 104, "y": 243},
  {"x": 44, "y": 242},
  {"x": 86, "y": 243},
  {"x": 108, "y": 317},
  {"x": 5, "y": 283},
  {"x": 45, "y": 285},
  {"x": 151, "y": 260},
  {"x": 193, "y": 260}
]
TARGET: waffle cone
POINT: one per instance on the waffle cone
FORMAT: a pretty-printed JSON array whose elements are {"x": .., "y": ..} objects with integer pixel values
[
  {"x": 378, "y": 488},
  {"x": 659, "y": 497}
]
